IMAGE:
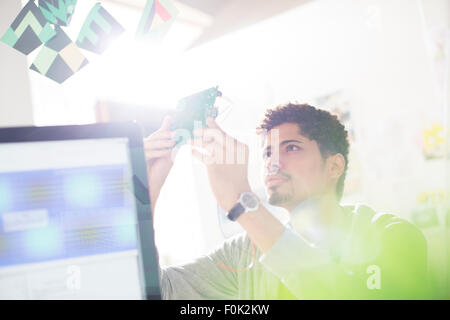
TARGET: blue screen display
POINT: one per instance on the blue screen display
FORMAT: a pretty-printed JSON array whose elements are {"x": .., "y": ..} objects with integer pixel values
[{"x": 62, "y": 213}]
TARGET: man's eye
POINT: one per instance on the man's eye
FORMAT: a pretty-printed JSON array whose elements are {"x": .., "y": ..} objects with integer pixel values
[
  {"x": 267, "y": 154},
  {"x": 292, "y": 147}
]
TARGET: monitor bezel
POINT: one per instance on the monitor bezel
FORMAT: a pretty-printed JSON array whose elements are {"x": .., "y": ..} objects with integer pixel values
[{"x": 148, "y": 253}]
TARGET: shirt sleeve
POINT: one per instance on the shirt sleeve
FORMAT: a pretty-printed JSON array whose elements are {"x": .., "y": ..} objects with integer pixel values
[{"x": 204, "y": 278}]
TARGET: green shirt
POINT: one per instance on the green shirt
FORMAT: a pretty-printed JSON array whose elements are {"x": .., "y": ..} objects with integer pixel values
[{"x": 384, "y": 257}]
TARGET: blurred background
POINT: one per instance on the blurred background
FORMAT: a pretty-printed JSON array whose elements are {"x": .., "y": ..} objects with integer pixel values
[{"x": 381, "y": 65}]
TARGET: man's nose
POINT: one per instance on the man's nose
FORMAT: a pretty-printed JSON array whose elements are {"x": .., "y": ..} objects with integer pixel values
[
  {"x": 273, "y": 169},
  {"x": 273, "y": 165}
]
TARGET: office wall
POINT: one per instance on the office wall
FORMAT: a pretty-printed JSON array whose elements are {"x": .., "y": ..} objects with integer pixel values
[
  {"x": 15, "y": 93},
  {"x": 380, "y": 56}
]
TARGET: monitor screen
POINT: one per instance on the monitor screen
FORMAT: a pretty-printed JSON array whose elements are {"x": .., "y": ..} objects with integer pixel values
[{"x": 68, "y": 221}]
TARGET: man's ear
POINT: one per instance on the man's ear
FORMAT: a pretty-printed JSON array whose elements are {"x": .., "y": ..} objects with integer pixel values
[{"x": 335, "y": 165}]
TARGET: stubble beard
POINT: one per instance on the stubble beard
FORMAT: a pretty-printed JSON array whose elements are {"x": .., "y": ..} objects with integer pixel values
[{"x": 277, "y": 198}]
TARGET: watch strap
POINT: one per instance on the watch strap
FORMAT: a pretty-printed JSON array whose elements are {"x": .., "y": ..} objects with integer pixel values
[{"x": 236, "y": 211}]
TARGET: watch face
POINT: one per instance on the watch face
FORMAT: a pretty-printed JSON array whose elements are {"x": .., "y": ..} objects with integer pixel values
[{"x": 250, "y": 201}]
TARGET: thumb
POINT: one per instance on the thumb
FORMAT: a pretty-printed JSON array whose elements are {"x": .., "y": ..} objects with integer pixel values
[
  {"x": 166, "y": 123},
  {"x": 201, "y": 156}
]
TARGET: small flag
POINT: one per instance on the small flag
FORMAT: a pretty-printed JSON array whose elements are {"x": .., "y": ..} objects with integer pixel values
[
  {"x": 98, "y": 30},
  {"x": 29, "y": 30},
  {"x": 58, "y": 12},
  {"x": 59, "y": 58},
  {"x": 156, "y": 20}
]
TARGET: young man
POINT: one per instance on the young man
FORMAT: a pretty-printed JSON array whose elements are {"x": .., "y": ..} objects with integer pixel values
[{"x": 326, "y": 252}]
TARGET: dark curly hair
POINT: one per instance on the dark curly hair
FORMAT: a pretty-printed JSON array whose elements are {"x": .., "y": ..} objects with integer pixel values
[{"x": 315, "y": 124}]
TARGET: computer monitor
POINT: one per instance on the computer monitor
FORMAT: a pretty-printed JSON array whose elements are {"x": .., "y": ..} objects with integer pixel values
[{"x": 75, "y": 214}]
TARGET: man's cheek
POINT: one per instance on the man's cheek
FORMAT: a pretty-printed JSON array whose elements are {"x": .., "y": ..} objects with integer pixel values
[{"x": 311, "y": 180}]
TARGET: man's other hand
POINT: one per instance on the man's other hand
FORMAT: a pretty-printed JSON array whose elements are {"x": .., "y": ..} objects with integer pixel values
[
  {"x": 159, "y": 155},
  {"x": 226, "y": 160}
]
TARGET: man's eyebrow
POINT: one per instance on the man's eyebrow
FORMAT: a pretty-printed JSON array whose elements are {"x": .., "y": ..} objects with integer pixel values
[
  {"x": 282, "y": 144},
  {"x": 289, "y": 141}
]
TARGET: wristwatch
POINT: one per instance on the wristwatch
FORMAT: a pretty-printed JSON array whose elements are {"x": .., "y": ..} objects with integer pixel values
[{"x": 248, "y": 201}]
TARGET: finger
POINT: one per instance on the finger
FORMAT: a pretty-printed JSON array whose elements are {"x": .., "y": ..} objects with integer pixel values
[
  {"x": 205, "y": 145},
  {"x": 201, "y": 142},
  {"x": 211, "y": 123},
  {"x": 198, "y": 132},
  {"x": 164, "y": 130},
  {"x": 197, "y": 154},
  {"x": 202, "y": 157},
  {"x": 208, "y": 131},
  {"x": 213, "y": 153},
  {"x": 161, "y": 134},
  {"x": 154, "y": 154},
  {"x": 210, "y": 134},
  {"x": 159, "y": 144},
  {"x": 212, "y": 150},
  {"x": 166, "y": 123}
]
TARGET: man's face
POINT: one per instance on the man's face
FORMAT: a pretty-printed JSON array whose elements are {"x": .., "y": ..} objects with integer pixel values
[{"x": 301, "y": 172}]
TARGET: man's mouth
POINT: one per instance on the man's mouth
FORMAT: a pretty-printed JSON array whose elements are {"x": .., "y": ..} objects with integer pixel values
[{"x": 274, "y": 180}]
